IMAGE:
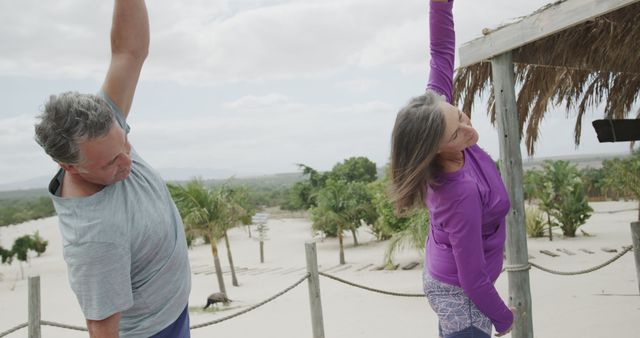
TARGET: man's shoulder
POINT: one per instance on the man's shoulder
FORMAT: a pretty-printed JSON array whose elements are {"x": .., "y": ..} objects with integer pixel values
[
  {"x": 85, "y": 221},
  {"x": 72, "y": 188}
]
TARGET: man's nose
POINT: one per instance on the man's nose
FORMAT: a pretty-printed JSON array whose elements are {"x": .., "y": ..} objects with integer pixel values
[{"x": 125, "y": 160}]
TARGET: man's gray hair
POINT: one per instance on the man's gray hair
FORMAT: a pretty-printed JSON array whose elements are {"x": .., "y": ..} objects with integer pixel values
[{"x": 69, "y": 119}]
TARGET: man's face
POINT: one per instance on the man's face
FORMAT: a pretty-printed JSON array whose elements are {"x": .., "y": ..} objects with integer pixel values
[{"x": 106, "y": 160}]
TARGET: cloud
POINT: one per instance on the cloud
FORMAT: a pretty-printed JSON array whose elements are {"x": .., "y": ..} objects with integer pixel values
[
  {"x": 263, "y": 134},
  {"x": 359, "y": 85},
  {"x": 402, "y": 47},
  {"x": 252, "y": 102},
  {"x": 201, "y": 42},
  {"x": 20, "y": 155}
]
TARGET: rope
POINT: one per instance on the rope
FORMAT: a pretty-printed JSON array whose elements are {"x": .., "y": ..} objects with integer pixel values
[
  {"x": 615, "y": 211},
  {"x": 64, "y": 326},
  {"x": 515, "y": 268},
  {"x": 2, "y": 334},
  {"x": 253, "y": 307},
  {"x": 371, "y": 289},
  {"x": 627, "y": 249},
  {"x": 506, "y": 268}
]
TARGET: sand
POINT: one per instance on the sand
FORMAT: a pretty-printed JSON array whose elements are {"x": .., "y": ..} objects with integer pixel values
[{"x": 604, "y": 303}]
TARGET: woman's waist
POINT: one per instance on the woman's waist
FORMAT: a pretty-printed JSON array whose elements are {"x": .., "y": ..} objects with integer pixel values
[{"x": 441, "y": 254}]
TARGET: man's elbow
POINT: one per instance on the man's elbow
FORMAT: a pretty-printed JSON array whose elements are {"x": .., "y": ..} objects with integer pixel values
[
  {"x": 108, "y": 327},
  {"x": 137, "y": 50}
]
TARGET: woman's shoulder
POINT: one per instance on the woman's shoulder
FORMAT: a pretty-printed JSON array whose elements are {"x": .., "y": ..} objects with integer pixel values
[{"x": 458, "y": 186}]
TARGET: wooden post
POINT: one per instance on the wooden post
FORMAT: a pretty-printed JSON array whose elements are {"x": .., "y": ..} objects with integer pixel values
[
  {"x": 317, "y": 322},
  {"x": 261, "y": 252},
  {"x": 635, "y": 236},
  {"x": 34, "y": 307},
  {"x": 511, "y": 169}
]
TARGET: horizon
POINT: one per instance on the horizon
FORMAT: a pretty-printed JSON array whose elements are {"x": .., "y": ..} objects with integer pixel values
[{"x": 183, "y": 174}]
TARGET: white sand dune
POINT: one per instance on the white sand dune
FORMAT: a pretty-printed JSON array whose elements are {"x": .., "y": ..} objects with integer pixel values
[{"x": 604, "y": 303}]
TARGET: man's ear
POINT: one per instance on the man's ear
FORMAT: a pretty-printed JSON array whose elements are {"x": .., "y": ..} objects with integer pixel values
[{"x": 70, "y": 168}]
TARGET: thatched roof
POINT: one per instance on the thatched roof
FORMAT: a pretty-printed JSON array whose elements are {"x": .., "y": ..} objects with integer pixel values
[{"x": 595, "y": 62}]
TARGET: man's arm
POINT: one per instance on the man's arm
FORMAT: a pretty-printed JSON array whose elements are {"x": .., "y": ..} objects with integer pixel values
[
  {"x": 129, "y": 49},
  {"x": 106, "y": 328}
]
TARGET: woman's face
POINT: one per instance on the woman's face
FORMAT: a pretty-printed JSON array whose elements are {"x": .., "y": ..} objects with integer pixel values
[{"x": 459, "y": 133}]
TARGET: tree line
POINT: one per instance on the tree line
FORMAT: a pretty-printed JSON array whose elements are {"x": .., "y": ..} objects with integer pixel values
[{"x": 14, "y": 210}]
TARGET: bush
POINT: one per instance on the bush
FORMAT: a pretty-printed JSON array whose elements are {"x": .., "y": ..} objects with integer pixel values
[
  {"x": 21, "y": 247},
  {"x": 39, "y": 245},
  {"x": 7, "y": 255},
  {"x": 535, "y": 222},
  {"x": 387, "y": 223},
  {"x": 563, "y": 197}
]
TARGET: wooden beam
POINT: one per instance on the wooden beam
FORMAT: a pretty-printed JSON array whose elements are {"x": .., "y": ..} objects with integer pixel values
[
  {"x": 551, "y": 20},
  {"x": 602, "y": 64}
]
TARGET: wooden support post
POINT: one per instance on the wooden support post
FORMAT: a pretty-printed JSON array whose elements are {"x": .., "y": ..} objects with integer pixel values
[
  {"x": 34, "y": 307},
  {"x": 635, "y": 236},
  {"x": 317, "y": 322},
  {"x": 261, "y": 252},
  {"x": 511, "y": 169}
]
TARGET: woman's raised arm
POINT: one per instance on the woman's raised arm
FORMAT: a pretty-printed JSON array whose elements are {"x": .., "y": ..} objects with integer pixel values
[{"x": 442, "y": 47}]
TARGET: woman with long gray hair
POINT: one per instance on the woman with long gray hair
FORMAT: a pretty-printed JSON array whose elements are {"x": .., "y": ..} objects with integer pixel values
[{"x": 436, "y": 163}]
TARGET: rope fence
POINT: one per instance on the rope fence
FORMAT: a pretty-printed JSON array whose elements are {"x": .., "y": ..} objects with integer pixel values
[
  {"x": 314, "y": 291},
  {"x": 573, "y": 273},
  {"x": 197, "y": 326},
  {"x": 370, "y": 288},
  {"x": 64, "y": 326},
  {"x": 13, "y": 329},
  {"x": 252, "y": 307}
]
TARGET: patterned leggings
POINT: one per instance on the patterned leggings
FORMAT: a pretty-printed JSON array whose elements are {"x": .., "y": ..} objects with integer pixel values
[{"x": 458, "y": 316}]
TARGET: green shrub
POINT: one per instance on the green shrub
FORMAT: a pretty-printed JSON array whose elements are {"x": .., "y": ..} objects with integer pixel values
[
  {"x": 563, "y": 196},
  {"x": 39, "y": 245},
  {"x": 535, "y": 222}
]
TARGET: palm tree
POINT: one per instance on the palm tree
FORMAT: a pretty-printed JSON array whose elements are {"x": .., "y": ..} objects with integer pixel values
[
  {"x": 342, "y": 206},
  {"x": 237, "y": 210},
  {"x": 201, "y": 210},
  {"x": 413, "y": 236}
]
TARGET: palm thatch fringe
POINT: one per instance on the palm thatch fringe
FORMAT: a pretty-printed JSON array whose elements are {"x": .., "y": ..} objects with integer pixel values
[{"x": 580, "y": 68}]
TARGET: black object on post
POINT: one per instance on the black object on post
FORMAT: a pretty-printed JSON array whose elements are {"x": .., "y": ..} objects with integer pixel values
[{"x": 620, "y": 130}]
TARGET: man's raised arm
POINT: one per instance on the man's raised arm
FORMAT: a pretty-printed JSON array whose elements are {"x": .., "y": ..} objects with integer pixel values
[{"x": 129, "y": 49}]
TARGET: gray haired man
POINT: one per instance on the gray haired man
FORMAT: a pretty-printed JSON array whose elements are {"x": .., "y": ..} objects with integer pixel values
[{"x": 124, "y": 241}]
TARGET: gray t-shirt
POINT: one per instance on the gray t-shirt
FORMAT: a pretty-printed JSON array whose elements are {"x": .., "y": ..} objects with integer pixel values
[{"x": 125, "y": 249}]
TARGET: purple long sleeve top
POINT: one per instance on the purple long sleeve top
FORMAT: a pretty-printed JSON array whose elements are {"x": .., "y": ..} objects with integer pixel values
[{"x": 467, "y": 207}]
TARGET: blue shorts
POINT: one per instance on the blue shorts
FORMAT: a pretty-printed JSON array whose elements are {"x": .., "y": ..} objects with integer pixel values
[
  {"x": 177, "y": 329},
  {"x": 458, "y": 317}
]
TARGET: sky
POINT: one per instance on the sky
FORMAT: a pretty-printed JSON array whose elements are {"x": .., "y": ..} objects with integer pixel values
[{"x": 248, "y": 87}]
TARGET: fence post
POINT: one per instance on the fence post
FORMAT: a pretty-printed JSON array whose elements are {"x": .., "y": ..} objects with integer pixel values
[
  {"x": 34, "y": 307},
  {"x": 635, "y": 236},
  {"x": 261, "y": 252},
  {"x": 314, "y": 290}
]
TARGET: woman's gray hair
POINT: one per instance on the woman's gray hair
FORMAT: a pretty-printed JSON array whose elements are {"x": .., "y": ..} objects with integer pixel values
[
  {"x": 69, "y": 119},
  {"x": 415, "y": 141}
]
